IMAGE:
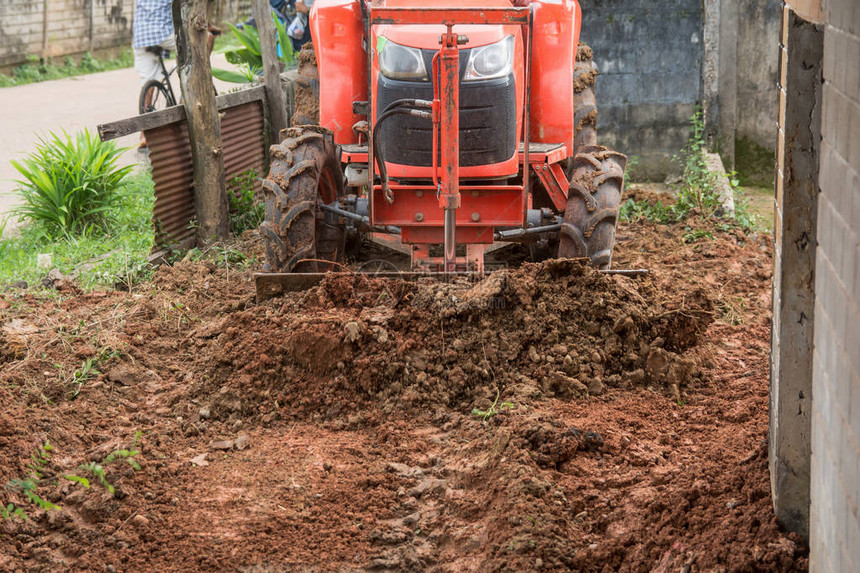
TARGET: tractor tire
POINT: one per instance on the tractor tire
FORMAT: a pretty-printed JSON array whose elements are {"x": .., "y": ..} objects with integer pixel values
[
  {"x": 306, "y": 109},
  {"x": 593, "y": 201},
  {"x": 584, "y": 104},
  {"x": 305, "y": 173}
]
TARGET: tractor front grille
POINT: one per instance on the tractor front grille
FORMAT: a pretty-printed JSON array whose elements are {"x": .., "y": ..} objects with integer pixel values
[{"x": 488, "y": 122}]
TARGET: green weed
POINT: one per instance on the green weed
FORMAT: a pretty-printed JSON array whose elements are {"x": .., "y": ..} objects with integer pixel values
[
  {"x": 697, "y": 196},
  {"x": 494, "y": 409},
  {"x": 29, "y": 484},
  {"x": 691, "y": 235},
  {"x": 82, "y": 375},
  {"x": 246, "y": 209}
]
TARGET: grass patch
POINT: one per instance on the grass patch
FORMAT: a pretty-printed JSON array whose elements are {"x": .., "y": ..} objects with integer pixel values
[
  {"x": 36, "y": 70},
  {"x": 95, "y": 259}
]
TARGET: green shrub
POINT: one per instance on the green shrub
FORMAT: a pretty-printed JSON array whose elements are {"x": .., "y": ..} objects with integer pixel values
[
  {"x": 245, "y": 52},
  {"x": 69, "y": 184}
]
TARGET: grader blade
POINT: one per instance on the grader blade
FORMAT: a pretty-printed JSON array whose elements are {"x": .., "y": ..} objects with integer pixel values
[{"x": 271, "y": 285}]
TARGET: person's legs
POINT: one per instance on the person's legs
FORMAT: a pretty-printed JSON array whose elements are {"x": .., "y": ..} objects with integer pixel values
[{"x": 146, "y": 65}]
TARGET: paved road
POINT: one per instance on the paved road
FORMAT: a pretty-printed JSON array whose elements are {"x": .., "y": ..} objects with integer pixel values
[{"x": 28, "y": 111}]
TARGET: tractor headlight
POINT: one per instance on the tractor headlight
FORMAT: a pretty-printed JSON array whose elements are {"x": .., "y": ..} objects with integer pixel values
[
  {"x": 493, "y": 61},
  {"x": 401, "y": 62}
]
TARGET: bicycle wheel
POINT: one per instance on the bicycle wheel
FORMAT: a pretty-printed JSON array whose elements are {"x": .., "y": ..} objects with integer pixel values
[{"x": 154, "y": 96}]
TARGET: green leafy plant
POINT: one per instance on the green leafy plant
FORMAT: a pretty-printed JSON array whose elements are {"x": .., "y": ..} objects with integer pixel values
[
  {"x": 246, "y": 209},
  {"x": 98, "y": 470},
  {"x": 494, "y": 409},
  {"x": 244, "y": 74},
  {"x": 691, "y": 235},
  {"x": 245, "y": 52},
  {"x": 124, "y": 455},
  {"x": 82, "y": 375},
  {"x": 69, "y": 184},
  {"x": 11, "y": 511},
  {"x": 118, "y": 259},
  {"x": 29, "y": 484}
]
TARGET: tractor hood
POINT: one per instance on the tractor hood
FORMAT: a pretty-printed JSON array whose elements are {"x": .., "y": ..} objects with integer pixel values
[{"x": 427, "y": 37}]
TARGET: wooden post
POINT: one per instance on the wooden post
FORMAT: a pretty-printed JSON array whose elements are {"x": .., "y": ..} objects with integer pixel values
[
  {"x": 45, "y": 13},
  {"x": 271, "y": 69},
  {"x": 92, "y": 24},
  {"x": 204, "y": 124}
]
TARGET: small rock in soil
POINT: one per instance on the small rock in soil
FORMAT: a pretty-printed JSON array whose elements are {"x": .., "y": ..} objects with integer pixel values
[
  {"x": 200, "y": 460},
  {"x": 221, "y": 445},
  {"x": 352, "y": 331},
  {"x": 242, "y": 442},
  {"x": 429, "y": 485},
  {"x": 139, "y": 521}
]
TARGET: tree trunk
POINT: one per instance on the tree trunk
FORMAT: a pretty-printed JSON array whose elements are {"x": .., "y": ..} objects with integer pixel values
[
  {"x": 204, "y": 124},
  {"x": 271, "y": 69}
]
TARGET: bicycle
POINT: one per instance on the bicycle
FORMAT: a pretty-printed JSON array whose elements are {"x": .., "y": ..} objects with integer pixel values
[{"x": 158, "y": 94}]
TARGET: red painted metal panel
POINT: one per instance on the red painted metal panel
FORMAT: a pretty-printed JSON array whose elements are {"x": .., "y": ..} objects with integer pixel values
[
  {"x": 501, "y": 206},
  {"x": 449, "y": 16},
  {"x": 436, "y": 235},
  {"x": 338, "y": 32}
]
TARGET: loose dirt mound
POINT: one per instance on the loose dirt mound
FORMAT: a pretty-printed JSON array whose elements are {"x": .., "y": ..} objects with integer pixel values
[
  {"x": 558, "y": 329},
  {"x": 618, "y": 423}
]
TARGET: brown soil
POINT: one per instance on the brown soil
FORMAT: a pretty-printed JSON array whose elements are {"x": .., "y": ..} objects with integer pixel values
[
  {"x": 306, "y": 110},
  {"x": 332, "y": 430},
  {"x": 583, "y": 52}
]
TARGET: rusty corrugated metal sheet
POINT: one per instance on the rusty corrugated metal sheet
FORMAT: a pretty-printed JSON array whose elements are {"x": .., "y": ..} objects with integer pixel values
[{"x": 244, "y": 143}]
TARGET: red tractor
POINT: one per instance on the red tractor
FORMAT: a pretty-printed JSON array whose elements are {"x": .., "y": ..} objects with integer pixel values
[{"x": 444, "y": 128}]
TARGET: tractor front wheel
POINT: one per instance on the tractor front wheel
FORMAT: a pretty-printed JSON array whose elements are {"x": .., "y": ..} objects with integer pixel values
[
  {"x": 305, "y": 173},
  {"x": 588, "y": 228}
]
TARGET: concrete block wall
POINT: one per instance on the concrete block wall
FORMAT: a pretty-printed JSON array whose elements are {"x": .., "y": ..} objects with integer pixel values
[
  {"x": 649, "y": 57},
  {"x": 61, "y": 27},
  {"x": 757, "y": 64},
  {"x": 835, "y": 463},
  {"x": 659, "y": 60},
  {"x": 57, "y": 28},
  {"x": 21, "y": 29}
]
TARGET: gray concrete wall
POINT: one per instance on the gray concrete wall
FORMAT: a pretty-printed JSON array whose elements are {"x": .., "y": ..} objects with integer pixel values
[
  {"x": 794, "y": 270},
  {"x": 652, "y": 57},
  {"x": 835, "y": 466},
  {"x": 61, "y": 27},
  {"x": 649, "y": 57},
  {"x": 758, "y": 60},
  {"x": 69, "y": 27},
  {"x": 757, "y": 63}
]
